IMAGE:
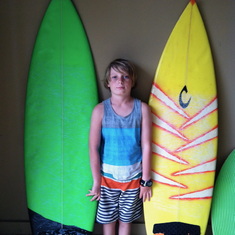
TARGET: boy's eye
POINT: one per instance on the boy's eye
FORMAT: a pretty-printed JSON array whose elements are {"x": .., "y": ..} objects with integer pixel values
[{"x": 126, "y": 77}]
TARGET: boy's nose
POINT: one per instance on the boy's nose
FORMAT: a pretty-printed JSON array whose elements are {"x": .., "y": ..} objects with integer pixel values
[{"x": 120, "y": 79}]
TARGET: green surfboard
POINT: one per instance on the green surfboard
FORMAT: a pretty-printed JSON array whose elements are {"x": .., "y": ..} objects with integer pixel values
[
  {"x": 223, "y": 204},
  {"x": 61, "y": 94}
]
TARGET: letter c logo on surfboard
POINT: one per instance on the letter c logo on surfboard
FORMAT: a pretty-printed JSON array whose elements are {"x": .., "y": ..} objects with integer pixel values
[{"x": 183, "y": 104}]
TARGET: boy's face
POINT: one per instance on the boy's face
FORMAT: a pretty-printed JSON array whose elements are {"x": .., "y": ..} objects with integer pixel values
[{"x": 120, "y": 82}]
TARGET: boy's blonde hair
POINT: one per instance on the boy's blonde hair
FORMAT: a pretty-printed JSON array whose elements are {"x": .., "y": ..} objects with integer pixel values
[{"x": 120, "y": 65}]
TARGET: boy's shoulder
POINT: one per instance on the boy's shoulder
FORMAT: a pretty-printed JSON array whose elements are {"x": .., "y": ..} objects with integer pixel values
[
  {"x": 97, "y": 113},
  {"x": 145, "y": 107},
  {"x": 99, "y": 107}
]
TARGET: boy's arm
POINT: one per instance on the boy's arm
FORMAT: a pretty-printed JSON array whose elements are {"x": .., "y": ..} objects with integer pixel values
[
  {"x": 146, "y": 143},
  {"x": 94, "y": 144}
]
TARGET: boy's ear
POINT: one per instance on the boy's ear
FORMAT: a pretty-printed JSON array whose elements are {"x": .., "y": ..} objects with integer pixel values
[{"x": 133, "y": 84}]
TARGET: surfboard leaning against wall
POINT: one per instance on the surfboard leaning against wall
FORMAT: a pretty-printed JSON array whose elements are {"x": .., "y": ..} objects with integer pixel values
[
  {"x": 61, "y": 94},
  {"x": 184, "y": 106}
]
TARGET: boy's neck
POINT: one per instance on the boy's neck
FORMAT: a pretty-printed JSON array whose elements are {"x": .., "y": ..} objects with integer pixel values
[
  {"x": 120, "y": 99},
  {"x": 122, "y": 106}
]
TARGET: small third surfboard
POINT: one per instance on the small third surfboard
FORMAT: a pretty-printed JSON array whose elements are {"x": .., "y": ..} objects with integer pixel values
[{"x": 223, "y": 206}]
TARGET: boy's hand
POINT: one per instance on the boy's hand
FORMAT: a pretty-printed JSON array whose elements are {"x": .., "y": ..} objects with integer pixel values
[
  {"x": 95, "y": 193},
  {"x": 145, "y": 193}
]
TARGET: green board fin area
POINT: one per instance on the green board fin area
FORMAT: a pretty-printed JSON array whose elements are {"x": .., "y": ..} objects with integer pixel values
[
  {"x": 223, "y": 204},
  {"x": 61, "y": 94}
]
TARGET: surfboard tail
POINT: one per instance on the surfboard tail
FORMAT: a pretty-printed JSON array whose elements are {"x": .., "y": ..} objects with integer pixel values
[
  {"x": 43, "y": 226},
  {"x": 176, "y": 228}
]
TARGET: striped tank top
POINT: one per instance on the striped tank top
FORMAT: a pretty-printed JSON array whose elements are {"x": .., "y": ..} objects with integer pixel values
[{"x": 120, "y": 150}]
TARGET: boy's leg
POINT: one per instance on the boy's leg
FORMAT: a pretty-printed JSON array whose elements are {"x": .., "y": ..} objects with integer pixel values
[
  {"x": 109, "y": 229},
  {"x": 124, "y": 228}
]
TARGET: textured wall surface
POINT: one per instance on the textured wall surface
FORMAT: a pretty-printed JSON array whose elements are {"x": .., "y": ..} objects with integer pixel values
[{"x": 135, "y": 30}]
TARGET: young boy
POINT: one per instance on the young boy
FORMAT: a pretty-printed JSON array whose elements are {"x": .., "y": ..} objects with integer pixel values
[{"x": 120, "y": 151}]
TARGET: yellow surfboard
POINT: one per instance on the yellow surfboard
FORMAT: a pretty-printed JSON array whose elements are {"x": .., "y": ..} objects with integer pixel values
[{"x": 184, "y": 105}]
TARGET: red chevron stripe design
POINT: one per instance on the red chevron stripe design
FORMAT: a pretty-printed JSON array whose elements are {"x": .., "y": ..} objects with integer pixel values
[{"x": 162, "y": 151}]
